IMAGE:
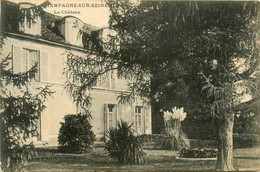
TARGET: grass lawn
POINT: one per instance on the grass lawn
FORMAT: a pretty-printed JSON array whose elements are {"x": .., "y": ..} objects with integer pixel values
[{"x": 50, "y": 160}]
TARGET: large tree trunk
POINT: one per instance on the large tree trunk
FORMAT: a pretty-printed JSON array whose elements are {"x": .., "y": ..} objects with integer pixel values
[
  {"x": 157, "y": 118},
  {"x": 225, "y": 144}
]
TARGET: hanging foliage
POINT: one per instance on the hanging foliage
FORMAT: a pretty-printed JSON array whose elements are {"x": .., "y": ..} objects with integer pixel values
[
  {"x": 19, "y": 111},
  {"x": 13, "y": 14},
  {"x": 192, "y": 51}
]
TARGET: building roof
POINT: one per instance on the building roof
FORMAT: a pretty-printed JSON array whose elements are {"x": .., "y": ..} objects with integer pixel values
[
  {"x": 87, "y": 27},
  {"x": 46, "y": 31},
  {"x": 49, "y": 31}
]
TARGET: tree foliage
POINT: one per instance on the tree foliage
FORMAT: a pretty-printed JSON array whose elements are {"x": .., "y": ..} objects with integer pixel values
[
  {"x": 178, "y": 53},
  {"x": 20, "y": 104},
  {"x": 206, "y": 52},
  {"x": 82, "y": 73},
  {"x": 19, "y": 111},
  {"x": 12, "y": 15},
  {"x": 187, "y": 46}
]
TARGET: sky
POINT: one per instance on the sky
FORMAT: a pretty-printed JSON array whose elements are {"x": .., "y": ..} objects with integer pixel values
[{"x": 94, "y": 14}]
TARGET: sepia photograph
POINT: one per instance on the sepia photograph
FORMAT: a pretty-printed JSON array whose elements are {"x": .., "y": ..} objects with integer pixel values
[{"x": 129, "y": 85}]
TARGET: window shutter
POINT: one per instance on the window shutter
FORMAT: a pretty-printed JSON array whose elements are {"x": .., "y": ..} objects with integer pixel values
[
  {"x": 105, "y": 118},
  {"x": 44, "y": 66},
  {"x": 37, "y": 77},
  {"x": 17, "y": 57},
  {"x": 142, "y": 120},
  {"x": 132, "y": 119},
  {"x": 107, "y": 81},
  {"x": 113, "y": 80},
  {"x": 145, "y": 119},
  {"x": 115, "y": 116}
]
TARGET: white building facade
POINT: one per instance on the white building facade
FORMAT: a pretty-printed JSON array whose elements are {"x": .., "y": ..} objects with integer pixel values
[{"x": 29, "y": 45}]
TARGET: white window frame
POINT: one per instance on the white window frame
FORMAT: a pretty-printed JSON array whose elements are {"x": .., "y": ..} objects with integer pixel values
[
  {"x": 108, "y": 121},
  {"x": 107, "y": 81},
  {"x": 138, "y": 118},
  {"x": 34, "y": 28},
  {"x": 28, "y": 62},
  {"x": 110, "y": 115}
]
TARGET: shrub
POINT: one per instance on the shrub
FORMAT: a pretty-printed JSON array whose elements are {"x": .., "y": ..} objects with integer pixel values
[
  {"x": 160, "y": 141},
  {"x": 198, "y": 153},
  {"x": 75, "y": 135},
  {"x": 245, "y": 139},
  {"x": 148, "y": 138},
  {"x": 123, "y": 145},
  {"x": 194, "y": 143},
  {"x": 163, "y": 142}
]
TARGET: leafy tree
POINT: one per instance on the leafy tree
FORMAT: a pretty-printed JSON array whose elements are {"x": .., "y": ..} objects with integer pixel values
[
  {"x": 19, "y": 111},
  {"x": 190, "y": 49},
  {"x": 178, "y": 53},
  {"x": 20, "y": 103}
]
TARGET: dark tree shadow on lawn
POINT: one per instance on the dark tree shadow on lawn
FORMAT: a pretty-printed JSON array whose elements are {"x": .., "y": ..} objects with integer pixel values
[{"x": 97, "y": 157}]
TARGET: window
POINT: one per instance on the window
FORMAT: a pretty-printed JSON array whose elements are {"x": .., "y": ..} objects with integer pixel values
[
  {"x": 110, "y": 116},
  {"x": 36, "y": 135},
  {"x": 73, "y": 31},
  {"x": 24, "y": 58},
  {"x": 29, "y": 59},
  {"x": 33, "y": 28},
  {"x": 138, "y": 119},
  {"x": 38, "y": 124},
  {"x": 107, "y": 81}
]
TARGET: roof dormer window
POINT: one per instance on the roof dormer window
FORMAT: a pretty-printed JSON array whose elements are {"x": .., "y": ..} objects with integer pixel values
[
  {"x": 73, "y": 31},
  {"x": 30, "y": 22}
]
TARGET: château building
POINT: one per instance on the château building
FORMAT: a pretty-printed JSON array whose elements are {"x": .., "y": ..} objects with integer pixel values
[{"x": 45, "y": 41}]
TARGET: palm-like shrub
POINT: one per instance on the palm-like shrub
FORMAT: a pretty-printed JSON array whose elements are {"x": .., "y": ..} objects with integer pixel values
[
  {"x": 75, "y": 134},
  {"x": 123, "y": 145}
]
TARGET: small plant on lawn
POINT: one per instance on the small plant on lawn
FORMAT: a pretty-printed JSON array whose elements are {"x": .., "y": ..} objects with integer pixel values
[
  {"x": 123, "y": 145},
  {"x": 76, "y": 135}
]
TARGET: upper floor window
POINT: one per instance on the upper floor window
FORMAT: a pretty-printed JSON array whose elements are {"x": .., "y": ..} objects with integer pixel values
[
  {"x": 25, "y": 58},
  {"x": 32, "y": 24},
  {"x": 73, "y": 31},
  {"x": 107, "y": 81},
  {"x": 29, "y": 59}
]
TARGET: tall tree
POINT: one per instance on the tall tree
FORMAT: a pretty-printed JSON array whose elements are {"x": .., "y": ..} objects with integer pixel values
[
  {"x": 20, "y": 103},
  {"x": 20, "y": 110},
  {"x": 177, "y": 53},
  {"x": 187, "y": 46}
]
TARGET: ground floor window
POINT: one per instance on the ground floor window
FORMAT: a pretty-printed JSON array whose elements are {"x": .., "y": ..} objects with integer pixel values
[
  {"x": 39, "y": 128},
  {"x": 138, "y": 119},
  {"x": 110, "y": 116}
]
